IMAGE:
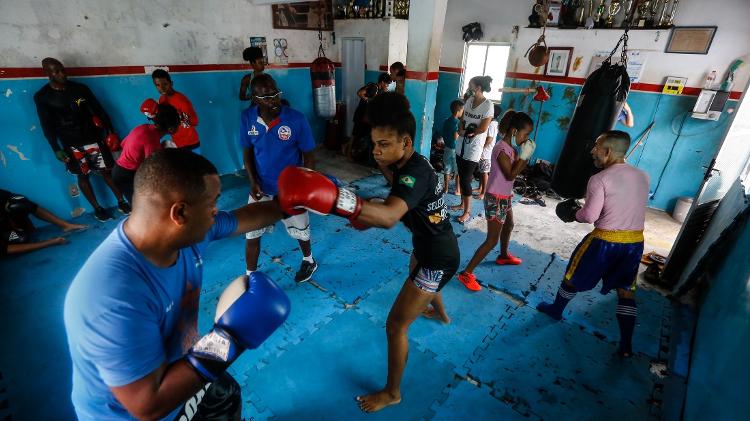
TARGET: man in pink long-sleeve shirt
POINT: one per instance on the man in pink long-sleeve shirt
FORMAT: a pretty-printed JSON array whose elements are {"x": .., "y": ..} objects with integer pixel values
[{"x": 616, "y": 204}]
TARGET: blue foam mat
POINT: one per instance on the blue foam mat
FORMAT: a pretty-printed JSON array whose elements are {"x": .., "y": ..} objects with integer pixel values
[{"x": 320, "y": 377}]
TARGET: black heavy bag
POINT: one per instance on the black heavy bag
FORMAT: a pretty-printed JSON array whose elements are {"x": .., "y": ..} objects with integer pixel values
[{"x": 599, "y": 105}]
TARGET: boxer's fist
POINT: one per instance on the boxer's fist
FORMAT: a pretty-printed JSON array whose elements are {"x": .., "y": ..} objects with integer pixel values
[
  {"x": 148, "y": 108},
  {"x": 249, "y": 310},
  {"x": 113, "y": 142},
  {"x": 97, "y": 121},
  {"x": 527, "y": 149},
  {"x": 566, "y": 210},
  {"x": 301, "y": 188},
  {"x": 470, "y": 130}
]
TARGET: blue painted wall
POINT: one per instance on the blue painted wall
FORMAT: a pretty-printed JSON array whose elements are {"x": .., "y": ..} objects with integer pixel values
[
  {"x": 447, "y": 91},
  {"x": 683, "y": 172},
  {"x": 213, "y": 94},
  {"x": 720, "y": 370},
  {"x": 422, "y": 96}
]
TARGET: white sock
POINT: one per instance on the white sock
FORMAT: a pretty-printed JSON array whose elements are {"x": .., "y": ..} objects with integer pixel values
[
  {"x": 249, "y": 272},
  {"x": 308, "y": 259}
]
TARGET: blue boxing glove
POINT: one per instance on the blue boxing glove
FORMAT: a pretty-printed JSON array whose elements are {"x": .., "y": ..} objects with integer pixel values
[{"x": 249, "y": 311}]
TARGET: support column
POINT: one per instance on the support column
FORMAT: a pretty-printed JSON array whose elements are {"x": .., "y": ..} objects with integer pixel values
[{"x": 426, "y": 20}]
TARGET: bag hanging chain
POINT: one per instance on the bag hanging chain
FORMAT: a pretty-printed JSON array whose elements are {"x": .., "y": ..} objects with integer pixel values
[{"x": 321, "y": 51}]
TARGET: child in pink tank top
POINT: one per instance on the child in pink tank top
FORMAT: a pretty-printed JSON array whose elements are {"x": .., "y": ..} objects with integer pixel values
[{"x": 505, "y": 166}]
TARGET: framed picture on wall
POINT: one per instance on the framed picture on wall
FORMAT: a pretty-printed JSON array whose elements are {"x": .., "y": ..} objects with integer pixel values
[
  {"x": 691, "y": 39},
  {"x": 559, "y": 61},
  {"x": 311, "y": 15}
]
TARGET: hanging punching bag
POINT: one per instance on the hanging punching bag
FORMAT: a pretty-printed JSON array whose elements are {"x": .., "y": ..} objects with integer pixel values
[
  {"x": 324, "y": 87},
  {"x": 599, "y": 105}
]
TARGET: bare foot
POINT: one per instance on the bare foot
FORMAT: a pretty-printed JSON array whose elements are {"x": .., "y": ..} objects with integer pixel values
[
  {"x": 479, "y": 197},
  {"x": 74, "y": 227},
  {"x": 376, "y": 401},
  {"x": 463, "y": 218},
  {"x": 431, "y": 313}
]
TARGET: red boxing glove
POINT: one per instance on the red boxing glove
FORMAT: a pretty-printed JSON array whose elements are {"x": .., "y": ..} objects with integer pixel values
[
  {"x": 97, "y": 121},
  {"x": 113, "y": 142},
  {"x": 148, "y": 108},
  {"x": 304, "y": 188}
]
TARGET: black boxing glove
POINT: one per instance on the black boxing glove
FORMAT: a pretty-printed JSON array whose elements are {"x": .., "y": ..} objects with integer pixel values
[
  {"x": 20, "y": 205},
  {"x": 566, "y": 210},
  {"x": 470, "y": 130}
]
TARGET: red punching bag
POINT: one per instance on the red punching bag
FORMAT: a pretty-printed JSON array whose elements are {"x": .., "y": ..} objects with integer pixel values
[{"x": 324, "y": 87}]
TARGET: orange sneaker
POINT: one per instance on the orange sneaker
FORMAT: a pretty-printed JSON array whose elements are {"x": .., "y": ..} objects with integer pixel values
[
  {"x": 469, "y": 281},
  {"x": 509, "y": 260}
]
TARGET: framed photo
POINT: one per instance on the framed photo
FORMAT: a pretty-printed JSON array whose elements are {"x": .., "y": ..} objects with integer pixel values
[
  {"x": 311, "y": 15},
  {"x": 559, "y": 61},
  {"x": 691, "y": 39}
]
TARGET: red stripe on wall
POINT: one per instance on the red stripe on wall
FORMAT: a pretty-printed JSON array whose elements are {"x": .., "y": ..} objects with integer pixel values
[
  {"x": 641, "y": 87},
  {"x": 451, "y": 69},
  {"x": 22, "y": 72},
  {"x": 421, "y": 75}
]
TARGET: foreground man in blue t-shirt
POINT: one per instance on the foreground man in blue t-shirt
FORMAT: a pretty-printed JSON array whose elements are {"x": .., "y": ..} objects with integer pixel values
[{"x": 131, "y": 313}]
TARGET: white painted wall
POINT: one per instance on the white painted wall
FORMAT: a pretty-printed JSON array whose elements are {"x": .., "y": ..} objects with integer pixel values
[
  {"x": 142, "y": 32},
  {"x": 376, "y": 33},
  {"x": 399, "y": 35},
  {"x": 498, "y": 19},
  {"x": 425, "y": 33},
  {"x": 385, "y": 39}
]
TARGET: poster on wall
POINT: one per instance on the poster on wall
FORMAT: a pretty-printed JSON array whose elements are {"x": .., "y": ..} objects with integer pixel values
[
  {"x": 261, "y": 43},
  {"x": 311, "y": 15},
  {"x": 636, "y": 63}
]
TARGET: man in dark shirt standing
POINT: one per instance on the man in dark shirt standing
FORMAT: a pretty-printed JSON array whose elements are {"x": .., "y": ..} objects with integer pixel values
[{"x": 70, "y": 116}]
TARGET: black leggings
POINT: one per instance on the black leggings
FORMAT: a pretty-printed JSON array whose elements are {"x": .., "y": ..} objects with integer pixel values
[
  {"x": 465, "y": 174},
  {"x": 123, "y": 179}
]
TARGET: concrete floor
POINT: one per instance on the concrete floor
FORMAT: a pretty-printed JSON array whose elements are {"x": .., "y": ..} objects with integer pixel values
[{"x": 498, "y": 359}]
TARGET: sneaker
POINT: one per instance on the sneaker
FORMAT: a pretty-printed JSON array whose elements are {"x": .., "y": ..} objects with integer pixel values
[
  {"x": 305, "y": 271},
  {"x": 509, "y": 260},
  {"x": 470, "y": 281},
  {"x": 546, "y": 308},
  {"x": 102, "y": 214},
  {"x": 123, "y": 207}
]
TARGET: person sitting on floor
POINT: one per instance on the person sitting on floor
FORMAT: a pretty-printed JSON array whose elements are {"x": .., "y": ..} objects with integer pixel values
[{"x": 16, "y": 228}]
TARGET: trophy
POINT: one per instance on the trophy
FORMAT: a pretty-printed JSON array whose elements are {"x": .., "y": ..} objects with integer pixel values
[
  {"x": 628, "y": 7},
  {"x": 663, "y": 16},
  {"x": 672, "y": 12},
  {"x": 580, "y": 12},
  {"x": 599, "y": 13},
  {"x": 643, "y": 16},
  {"x": 651, "y": 22},
  {"x": 614, "y": 9}
]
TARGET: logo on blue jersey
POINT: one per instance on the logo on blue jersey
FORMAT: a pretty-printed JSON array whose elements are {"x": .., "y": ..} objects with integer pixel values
[
  {"x": 285, "y": 132},
  {"x": 253, "y": 131}
]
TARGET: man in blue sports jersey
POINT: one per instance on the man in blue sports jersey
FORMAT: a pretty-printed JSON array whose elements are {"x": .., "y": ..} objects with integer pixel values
[
  {"x": 273, "y": 137},
  {"x": 131, "y": 313}
]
